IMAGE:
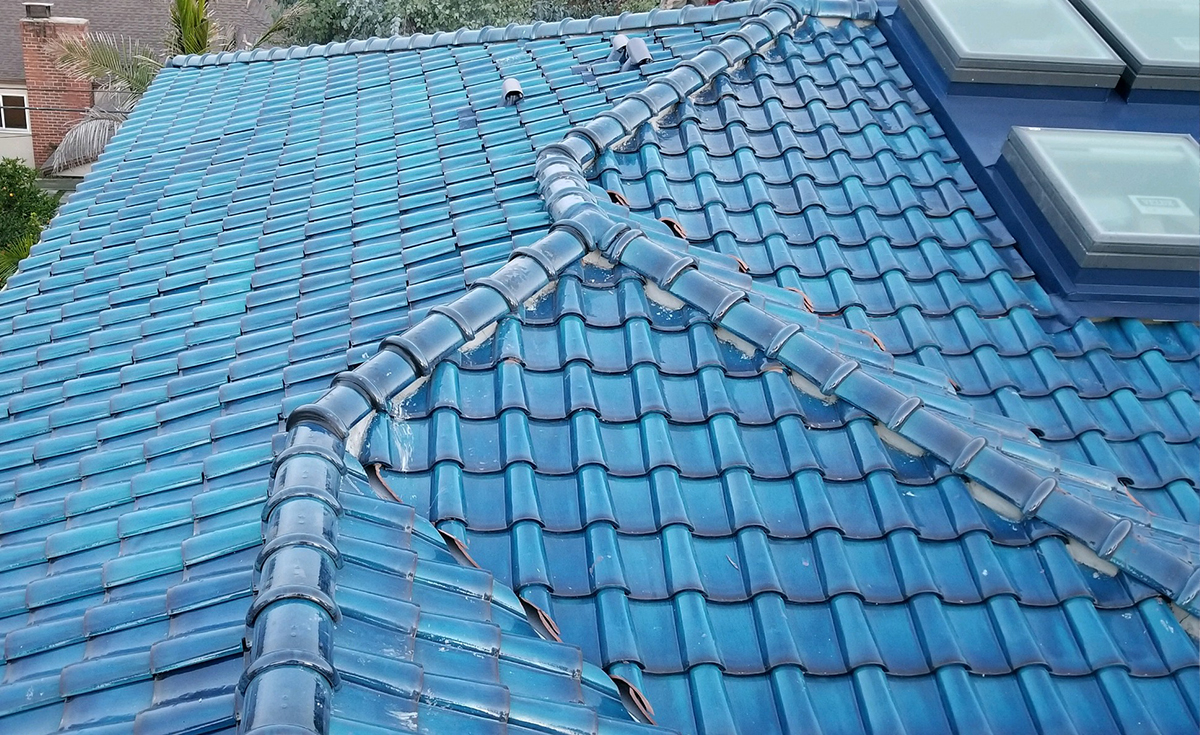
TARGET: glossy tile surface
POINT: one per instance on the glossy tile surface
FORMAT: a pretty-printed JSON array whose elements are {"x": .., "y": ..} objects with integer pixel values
[
  {"x": 253, "y": 230},
  {"x": 699, "y": 522},
  {"x": 748, "y": 554}
]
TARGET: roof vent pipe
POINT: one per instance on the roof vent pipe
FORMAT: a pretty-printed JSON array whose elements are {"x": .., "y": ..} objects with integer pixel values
[
  {"x": 512, "y": 91},
  {"x": 636, "y": 54},
  {"x": 619, "y": 42}
]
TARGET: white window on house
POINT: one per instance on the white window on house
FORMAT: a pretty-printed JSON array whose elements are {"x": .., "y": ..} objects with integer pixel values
[{"x": 12, "y": 112}]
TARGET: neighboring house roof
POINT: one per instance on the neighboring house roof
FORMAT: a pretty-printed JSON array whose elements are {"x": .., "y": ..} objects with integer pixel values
[
  {"x": 830, "y": 463},
  {"x": 144, "y": 20}
]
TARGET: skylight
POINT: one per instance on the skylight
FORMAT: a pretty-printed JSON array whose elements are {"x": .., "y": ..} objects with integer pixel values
[
  {"x": 1115, "y": 199},
  {"x": 1022, "y": 42},
  {"x": 1159, "y": 39}
]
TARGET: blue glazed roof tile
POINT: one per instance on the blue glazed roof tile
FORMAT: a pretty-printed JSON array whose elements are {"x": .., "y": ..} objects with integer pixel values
[{"x": 342, "y": 381}]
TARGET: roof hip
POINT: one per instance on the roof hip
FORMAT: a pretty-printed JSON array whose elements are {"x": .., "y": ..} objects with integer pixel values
[
  {"x": 317, "y": 432},
  {"x": 1030, "y": 494},
  {"x": 308, "y": 470}
]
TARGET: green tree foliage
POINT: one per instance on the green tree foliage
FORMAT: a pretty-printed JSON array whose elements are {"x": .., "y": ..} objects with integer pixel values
[
  {"x": 193, "y": 29},
  {"x": 324, "y": 21},
  {"x": 123, "y": 69},
  {"x": 340, "y": 20},
  {"x": 551, "y": 10},
  {"x": 24, "y": 210}
]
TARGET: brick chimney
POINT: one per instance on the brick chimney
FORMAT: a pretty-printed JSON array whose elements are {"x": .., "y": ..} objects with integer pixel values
[{"x": 54, "y": 97}]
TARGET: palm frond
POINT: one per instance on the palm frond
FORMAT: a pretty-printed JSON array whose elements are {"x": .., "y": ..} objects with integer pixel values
[
  {"x": 86, "y": 140},
  {"x": 116, "y": 62},
  {"x": 283, "y": 23},
  {"x": 194, "y": 29},
  {"x": 11, "y": 255}
]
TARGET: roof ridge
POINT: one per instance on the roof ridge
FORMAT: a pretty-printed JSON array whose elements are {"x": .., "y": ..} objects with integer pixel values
[
  {"x": 314, "y": 490},
  {"x": 1002, "y": 479},
  {"x": 1021, "y": 489},
  {"x": 573, "y": 208},
  {"x": 580, "y": 225},
  {"x": 309, "y": 466},
  {"x": 654, "y": 18}
]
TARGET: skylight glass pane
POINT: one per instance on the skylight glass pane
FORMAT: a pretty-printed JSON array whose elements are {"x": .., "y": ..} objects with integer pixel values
[
  {"x": 992, "y": 40},
  {"x": 1115, "y": 197},
  {"x": 1157, "y": 37},
  {"x": 1018, "y": 29}
]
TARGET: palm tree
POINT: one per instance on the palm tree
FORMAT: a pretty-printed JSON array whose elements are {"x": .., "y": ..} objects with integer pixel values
[
  {"x": 12, "y": 253},
  {"x": 123, "y": 68}
]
